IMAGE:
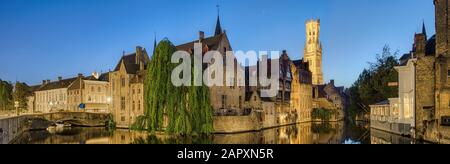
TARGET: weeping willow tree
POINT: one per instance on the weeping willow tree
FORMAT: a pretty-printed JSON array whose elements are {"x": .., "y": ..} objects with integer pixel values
[
  {"x": 188, "y": 109},
  {"x": 158, "y": 91}
]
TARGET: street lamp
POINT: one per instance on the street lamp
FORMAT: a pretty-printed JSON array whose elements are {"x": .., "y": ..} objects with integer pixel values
[{"x": 16, "y": 105}]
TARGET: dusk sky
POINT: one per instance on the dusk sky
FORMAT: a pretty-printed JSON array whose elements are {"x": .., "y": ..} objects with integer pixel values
[{"x": 44, "y": 39}]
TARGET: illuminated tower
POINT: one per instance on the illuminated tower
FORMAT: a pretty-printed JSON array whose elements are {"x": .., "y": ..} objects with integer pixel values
[{"x": 313, "y": 51}]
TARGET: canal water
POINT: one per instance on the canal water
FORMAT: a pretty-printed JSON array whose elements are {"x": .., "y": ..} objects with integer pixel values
[{"x": 305, "y": 133}]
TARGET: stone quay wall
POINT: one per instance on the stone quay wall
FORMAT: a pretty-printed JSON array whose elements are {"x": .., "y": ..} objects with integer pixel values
[
  {"x": 12, "y": 127},
  {"x": 395, "y": 128}
]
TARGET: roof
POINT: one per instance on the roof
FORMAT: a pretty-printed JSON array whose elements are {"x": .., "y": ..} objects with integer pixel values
[
  {"x": 212, "y": 43},
  {"x": 430, "y": 49},
  {"x": 130, "y": 62},
  {"x": 321, "y": 90},
  {"x": 57, "y": 84},
  {"x": 404, "y": 59},
  {"x": 384, "y": 102}
]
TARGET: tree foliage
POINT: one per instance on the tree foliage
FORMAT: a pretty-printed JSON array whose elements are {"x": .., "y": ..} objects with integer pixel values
[
  {"x": 372, "y": 84},
  {"x": 188, "y": 109},
  {"x": 5, "y": 95},
  {"x": 21, "y": 91}
]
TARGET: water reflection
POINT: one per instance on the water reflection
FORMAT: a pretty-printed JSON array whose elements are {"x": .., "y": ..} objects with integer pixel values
[{"x": 306, "y": 133}]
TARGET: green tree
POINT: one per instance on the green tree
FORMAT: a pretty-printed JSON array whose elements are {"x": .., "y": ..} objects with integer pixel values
[
  {"x": 5, "y": 95},
  {"x": 21, "y": 91},
  {"x": 188, "y": 109},
  {"x": 372, "y": 84}
]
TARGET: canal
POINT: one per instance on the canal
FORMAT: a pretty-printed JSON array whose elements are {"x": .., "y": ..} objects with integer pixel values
[{"x": 305, "y": 133}]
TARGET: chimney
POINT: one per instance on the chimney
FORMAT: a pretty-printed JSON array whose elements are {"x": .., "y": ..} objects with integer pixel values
[
  {"x": 48, "y": 82},
  {"x": 138, "y": 54},
  {"x": 332, "y": 82},
  {"x": 44, "y": 82},
  {"x": 201, "y": 35},
  {"x": 80, "y": 75},
  {"x": 59, "y": 78},
  {"x": 141, "y": 65}
]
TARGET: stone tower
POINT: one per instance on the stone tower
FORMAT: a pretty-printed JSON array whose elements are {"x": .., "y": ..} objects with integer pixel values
[
  {"x": 313, "y": 51},
  {"x": 442, "y": 66}
]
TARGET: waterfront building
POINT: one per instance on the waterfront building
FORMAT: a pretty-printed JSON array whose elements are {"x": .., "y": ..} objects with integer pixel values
[
  {"x": 225, "y": 100},
  {"x": 330, "y": 97},
  {"x": 52, "y": 95},
  {"x": 301, "y": 94},
  {"x": 127, "y": 87},
  {"x": 89, "y": 94}
]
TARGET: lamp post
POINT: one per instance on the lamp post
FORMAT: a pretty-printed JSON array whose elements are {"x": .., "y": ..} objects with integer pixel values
[{"x": 16, "y": 105}]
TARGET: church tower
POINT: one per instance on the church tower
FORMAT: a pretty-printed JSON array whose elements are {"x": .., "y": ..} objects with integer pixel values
[{"x": 313, "y": 51}]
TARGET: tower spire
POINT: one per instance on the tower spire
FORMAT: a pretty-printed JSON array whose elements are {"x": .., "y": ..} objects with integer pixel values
[
  {"x": 218, "y": 26},
  {"x": 424, "y": 30}
]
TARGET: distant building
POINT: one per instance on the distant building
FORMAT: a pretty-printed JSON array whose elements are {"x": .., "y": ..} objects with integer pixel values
[
  {"x": 52, "y": 96},
  {"x": 330, "y": 97},
  {"x": 89, "y": 94},
  {"x": 313, "y": 51}
]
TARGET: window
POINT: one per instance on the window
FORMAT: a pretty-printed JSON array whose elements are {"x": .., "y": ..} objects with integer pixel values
[
  {"x": 139, "y": 105},
  {"x": 122, "y": 103},
  {"x": 448, "y": 73},
  {"x": 139, "y": 91},
  {"x": 122, "y": 82},
  {"x": 133, "y": 92},
  {"x": 122, "y": 119},
  {"x": 240, "y": 101},
  {"x": 89, "y": 99},
  {"x": 132, "y": 108},
  {"x": 224, "y": 99}
]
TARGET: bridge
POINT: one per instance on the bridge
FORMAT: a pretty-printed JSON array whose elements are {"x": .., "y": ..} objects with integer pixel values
[{"x": 12, "y": 127}]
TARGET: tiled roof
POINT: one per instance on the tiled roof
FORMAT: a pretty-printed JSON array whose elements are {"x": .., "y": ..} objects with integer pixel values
[
  {"x": 57, "y": 84},
  {"x": 130, "y": 62},
  {"x": 212, "y": 43}
]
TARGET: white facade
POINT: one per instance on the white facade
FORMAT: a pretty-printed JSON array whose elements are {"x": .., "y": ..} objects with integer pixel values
[
  {"x": 406, "y": 92},
  {"x": 51, "y": 100}
]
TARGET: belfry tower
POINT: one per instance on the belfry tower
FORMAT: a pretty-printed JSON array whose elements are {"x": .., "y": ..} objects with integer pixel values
[{"x": 313, "y": 51}]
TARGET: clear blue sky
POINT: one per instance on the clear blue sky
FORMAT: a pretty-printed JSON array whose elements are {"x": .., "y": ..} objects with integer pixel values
[{"x": 43, "y": 39}]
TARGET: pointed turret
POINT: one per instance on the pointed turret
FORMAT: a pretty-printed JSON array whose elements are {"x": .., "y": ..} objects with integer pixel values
[
  {"x": 218, "y": 27},
  {"x": 424, "y": 30}
]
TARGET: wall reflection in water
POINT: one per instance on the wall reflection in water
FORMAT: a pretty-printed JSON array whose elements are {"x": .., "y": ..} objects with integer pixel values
[{"x": 306, "y": 133}]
